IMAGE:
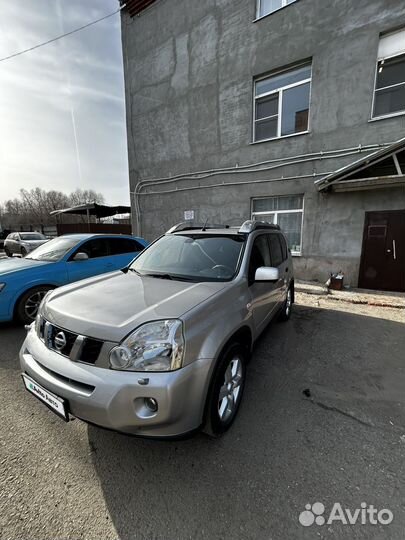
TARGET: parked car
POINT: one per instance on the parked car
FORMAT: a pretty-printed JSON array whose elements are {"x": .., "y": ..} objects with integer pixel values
[
  {"x": 22, "y": 243},
  {"x": 24, "y": 282},
  {"x": 160, "y": 348}
]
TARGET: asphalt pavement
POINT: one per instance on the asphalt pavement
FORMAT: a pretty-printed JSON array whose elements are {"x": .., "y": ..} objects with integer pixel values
[{"x": 323, "y": 420}]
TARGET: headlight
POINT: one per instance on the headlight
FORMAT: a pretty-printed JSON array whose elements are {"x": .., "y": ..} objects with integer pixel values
[
  {"x": 2, "y": 285},
  {"x": 154, "y": 346}
]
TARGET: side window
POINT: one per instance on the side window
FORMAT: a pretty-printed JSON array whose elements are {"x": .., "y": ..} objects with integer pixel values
[
  {"x": 275, "y": 250},
  {"x": 259, "y": 256},
  {"x": 123, "y": 245},
  {"x": 97, "y": 247},
  {"x": 284, "y": 249}
]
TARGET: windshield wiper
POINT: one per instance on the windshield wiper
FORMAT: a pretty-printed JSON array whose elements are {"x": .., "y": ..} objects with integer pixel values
[
  {"x": 161, "y": 276},
  {"x": 125, "y": 270}
]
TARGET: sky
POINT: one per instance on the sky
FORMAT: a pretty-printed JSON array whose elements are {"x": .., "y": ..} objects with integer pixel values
[{"x": 62, "y": 108}]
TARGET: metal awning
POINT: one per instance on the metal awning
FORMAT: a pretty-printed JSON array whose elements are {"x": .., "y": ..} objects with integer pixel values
[
  {"x": 93, "y": 209},
  {"x": 381, "y": 169}
]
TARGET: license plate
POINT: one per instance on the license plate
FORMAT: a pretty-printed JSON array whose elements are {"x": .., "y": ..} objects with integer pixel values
[{"x": 55, "y": 403}]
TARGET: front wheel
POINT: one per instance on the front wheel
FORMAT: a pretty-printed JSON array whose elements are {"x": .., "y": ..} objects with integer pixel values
[
  {"x": 27, "y": 307},
  {"x": 226, "y": 390},
  {"x": 23, "y": 252},
  {"x": 8, "y": 252},
  {"x": 285, "y": 313}
]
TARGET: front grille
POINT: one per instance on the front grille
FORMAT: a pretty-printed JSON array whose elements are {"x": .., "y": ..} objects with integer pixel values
[
  {"x": 75, "y": 346},
  {"x": 90, "y": 350}
]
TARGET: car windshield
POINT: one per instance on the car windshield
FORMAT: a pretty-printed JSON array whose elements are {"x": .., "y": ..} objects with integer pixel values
[
  {"x": 53, "y": 250},
  {"x": 192, "y": 257},
  {"x": 32, "y": 236}
]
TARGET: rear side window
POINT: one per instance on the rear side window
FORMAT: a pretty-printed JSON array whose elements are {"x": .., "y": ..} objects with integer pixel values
[
  {"x": 123, "y": 245},
  {"x": 275, "y": 250}
]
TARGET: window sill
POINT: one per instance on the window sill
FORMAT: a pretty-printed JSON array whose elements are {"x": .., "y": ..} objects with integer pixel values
[
  {"x": 281, "y": 137},
  {"x": 272, "y": 12},
  {"x": 386, "y": 116}
]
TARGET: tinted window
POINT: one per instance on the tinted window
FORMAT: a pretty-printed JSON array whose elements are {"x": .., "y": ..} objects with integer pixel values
[
  {"x": 97, "y": 247},
  {"x": 32, "y": 236},
  {"x": 123, "y": 245},
  {"x": 284, "y": 249},
  {"x": 259, "y": 256},
  {"x": 275, "y": 250}
]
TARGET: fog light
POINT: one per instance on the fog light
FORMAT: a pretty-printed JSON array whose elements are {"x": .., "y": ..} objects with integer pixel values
[{"x": 151, "y": 404}]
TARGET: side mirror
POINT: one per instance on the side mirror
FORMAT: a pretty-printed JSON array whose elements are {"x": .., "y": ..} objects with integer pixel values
[
  {"x": 80, "y": 256},
  {"x": 267, "y": 273}
]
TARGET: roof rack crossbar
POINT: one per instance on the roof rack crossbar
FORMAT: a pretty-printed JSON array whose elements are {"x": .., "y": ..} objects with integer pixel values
[{"x": 191, "y": 226}]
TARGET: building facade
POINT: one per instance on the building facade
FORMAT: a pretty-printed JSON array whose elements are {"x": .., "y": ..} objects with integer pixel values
[{"x": 287, "y": 111}]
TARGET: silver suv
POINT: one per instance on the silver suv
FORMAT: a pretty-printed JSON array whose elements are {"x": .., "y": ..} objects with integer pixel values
[
  {"x": 160, "y": 348},
  {"x": 23, "y": 243}
]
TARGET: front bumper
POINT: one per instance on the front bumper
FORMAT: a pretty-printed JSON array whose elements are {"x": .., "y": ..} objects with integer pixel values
[{"x": 115, "y": 400}]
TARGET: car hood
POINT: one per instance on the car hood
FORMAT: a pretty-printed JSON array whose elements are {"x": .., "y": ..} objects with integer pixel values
[
  {"x": 111, "y": 306},
  {"x": 17, "y": 264},
  {"x": 35, "y": 243}
]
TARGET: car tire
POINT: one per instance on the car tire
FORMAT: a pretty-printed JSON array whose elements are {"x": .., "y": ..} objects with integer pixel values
[
  {"x": 23, "y": 252},
  {"x": 228, "y": 381},
  {"x": 285, "y": 312},
  {"x": 27, "y": 306},
  {"x": 7, "y": 252}
]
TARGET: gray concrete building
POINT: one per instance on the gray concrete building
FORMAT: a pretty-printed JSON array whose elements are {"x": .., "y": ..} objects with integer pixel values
[{"x": 287, "y": 111}]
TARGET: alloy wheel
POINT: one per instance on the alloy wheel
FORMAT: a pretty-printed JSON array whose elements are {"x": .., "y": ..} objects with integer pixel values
[
  {"x": 230, "y": 391},
  {"x": 288, "y": 303},
  {"x": 32, "y": 304}
]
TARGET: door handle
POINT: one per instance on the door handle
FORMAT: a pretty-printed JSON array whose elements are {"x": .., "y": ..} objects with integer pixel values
[{"x": 394, "y": 248}]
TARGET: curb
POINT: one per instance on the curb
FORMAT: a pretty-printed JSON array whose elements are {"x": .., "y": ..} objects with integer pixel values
[{"x": 349, "y": 297}]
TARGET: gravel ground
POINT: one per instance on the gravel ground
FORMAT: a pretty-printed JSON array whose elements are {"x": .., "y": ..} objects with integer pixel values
[{"x": 344, "y": 443}]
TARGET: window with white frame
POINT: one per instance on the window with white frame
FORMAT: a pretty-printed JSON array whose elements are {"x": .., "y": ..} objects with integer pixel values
[
  {"x": 264, "y": 7},
  {"x": 286, "y": 211},
  {"x": 281, "y": 103},
  {"x": 389, "y": 94}
]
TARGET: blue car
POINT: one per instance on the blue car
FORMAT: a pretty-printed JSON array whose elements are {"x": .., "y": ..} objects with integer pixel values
[{"x": 24, "y": 282}]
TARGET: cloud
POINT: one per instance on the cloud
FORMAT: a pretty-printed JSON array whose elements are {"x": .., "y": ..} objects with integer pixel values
[{"x": 80, "y": 76}]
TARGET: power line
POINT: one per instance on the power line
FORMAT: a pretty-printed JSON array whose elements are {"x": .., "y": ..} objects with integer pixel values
[{"x": 61, "y": 36}]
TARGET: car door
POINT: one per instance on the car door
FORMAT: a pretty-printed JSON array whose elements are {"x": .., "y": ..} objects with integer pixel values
[
  {"x": 98, "y": 262},
  {"x": 279, "y": 259},
  {"x": 14, "y": 244},
  {"x": 122, "y": 251},
  {"x": 264, "y": 294}
]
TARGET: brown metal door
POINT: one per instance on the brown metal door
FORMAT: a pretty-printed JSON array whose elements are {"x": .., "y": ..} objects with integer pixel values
[{"x": 383, "y": 257}]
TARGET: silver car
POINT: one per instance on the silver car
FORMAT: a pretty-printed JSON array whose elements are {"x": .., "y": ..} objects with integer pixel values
[
  {"x": 23, "y": 243},
  {"x": 161, "y": 347}
]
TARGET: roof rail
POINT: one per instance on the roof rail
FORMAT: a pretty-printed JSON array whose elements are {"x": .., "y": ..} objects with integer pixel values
[
  {"x": 251, "y": 225},
  {"x": 191, "y": 226}
]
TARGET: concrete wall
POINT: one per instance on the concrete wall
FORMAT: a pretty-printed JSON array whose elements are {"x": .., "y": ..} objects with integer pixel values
[{"x": 189, "y": 70}]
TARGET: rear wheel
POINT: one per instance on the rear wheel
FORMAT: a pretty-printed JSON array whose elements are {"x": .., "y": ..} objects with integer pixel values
[
  {"x": 27, "y": 307},
  {"x": 23, "y": 252},
  {"x": 7, "y": 252},
  {"x": 226, "y": 390}
]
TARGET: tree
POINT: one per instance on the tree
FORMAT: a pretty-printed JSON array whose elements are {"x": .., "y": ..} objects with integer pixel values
[{"x": 33, "y": 207}]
